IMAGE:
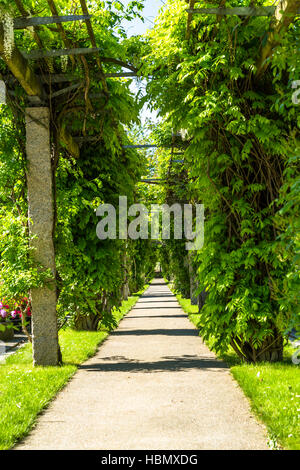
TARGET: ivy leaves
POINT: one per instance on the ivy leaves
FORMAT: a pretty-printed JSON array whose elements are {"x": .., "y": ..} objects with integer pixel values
[{"x": 243, "y": 137}]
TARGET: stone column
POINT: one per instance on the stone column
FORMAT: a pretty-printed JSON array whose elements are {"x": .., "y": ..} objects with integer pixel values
[{"x": 41, "y": 219}]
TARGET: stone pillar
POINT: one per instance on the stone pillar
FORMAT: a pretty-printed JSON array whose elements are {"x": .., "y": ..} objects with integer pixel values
[{"x": 41, "y": 219}]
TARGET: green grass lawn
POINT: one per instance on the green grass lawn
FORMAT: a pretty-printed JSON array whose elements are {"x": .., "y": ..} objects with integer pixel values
[
  {"x": 273, "y": 390},
  {"x": 25, "y": 390}
]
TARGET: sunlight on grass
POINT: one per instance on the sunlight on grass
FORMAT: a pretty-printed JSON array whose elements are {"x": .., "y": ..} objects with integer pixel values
[
  {"x": 25, "y": 390},
  {"x": 274, "y": 390}
]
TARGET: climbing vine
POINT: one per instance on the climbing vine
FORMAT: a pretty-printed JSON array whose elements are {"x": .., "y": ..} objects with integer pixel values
[
  {"x": 241, "y": 161},
  {"x": 93, "y": 276}
]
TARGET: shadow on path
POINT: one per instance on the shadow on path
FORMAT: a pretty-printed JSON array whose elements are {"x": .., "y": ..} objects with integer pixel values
[
  {"x": 155, "y": 316},
  {"x": 157, "y": 294},
  {"x": 157, "y": 308},
  {"x": 167, "y": 364},
  {"x": 163, "y": 332},
  {"x": 156, "y": 301}
]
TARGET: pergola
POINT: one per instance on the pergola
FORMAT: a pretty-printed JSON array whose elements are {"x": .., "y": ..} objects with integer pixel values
[{"x": 42, "y": 91}]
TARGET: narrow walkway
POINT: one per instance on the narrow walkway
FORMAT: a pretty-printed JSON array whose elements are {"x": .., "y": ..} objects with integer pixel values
[{"x": 152, "y": 385}]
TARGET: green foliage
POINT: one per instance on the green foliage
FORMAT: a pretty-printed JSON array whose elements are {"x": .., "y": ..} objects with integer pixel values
[
  {"x": 173, "y": 260},
  {"x": 18, "y": 272},
  {"x": 241, "y": 164},
  {"x": 91, "y": 270},
  {"x": 91, "y": 274},
  {"x": 288, "y": 221}
]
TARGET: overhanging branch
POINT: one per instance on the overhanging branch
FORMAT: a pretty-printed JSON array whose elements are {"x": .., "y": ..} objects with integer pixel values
[{"x": 32, "y": 85}]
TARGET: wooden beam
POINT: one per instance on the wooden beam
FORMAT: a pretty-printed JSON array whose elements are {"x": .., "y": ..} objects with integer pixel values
[
  {"x": 55, "y": 94},
  {"x": 156, "y": 181},
  {"x": 240, "y": 11},
  {"x": 284, "y": 16},
  {"x": 21, "y": 23},
  {"x": 100, "y": 94},
  {"x": 121, "y": 75},
  {"x": 40, "y": 54},
  {"x": 86, "y": 138},
  {"x": 90, "y": 138},
  {"x": 91, "y": 96},
  {"x": 152, "y": 181},
  {"x": 62, "y": 78},
  {"x": 34, "y": 30},
  {"x": 58, "y": 78},
  {"x": 140, "y": 146}
]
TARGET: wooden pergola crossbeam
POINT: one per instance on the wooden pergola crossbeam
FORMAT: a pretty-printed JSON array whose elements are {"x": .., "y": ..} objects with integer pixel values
[
  {"x": 140, "y": 146},
  {"x": 121, "y": 75},
  {"x": 59, "y": 78},
  {"x": 41, "y": 54},
  {"x": 156, "y": 181},
  {"x": 240, "y": 11},
  {"x": 94, "y": 96},
  {"x": 86, "y": 138},
  {"x": 55, "y": 94},
  {"x": 152, "y": 181},
  {"x": 64, "y": 77},
  {"x": 22, "y": 23},
  {"x": 34, "y": 29}
]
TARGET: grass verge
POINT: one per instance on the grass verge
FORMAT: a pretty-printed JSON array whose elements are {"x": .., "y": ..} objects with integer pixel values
[
  {"x": 26, "y": 390},
  {"x": 273, "y": 390}
]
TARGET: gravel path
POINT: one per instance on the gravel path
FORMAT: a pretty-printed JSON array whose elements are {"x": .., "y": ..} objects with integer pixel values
[{"x": 152, "y": 385}]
